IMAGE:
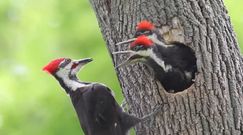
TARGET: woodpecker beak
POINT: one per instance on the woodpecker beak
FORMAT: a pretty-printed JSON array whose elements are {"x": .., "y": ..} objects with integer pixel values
[
  {"x": 83, "y": 61},
  {"x": 132, "y": 59},
  {"x": 127, "y": 41},
  {"x": 133, "y": 39},
  {"x": 125, "y": 62},
  {"x": 78, "y": 64},
  {"x": 123, "y": 52}
]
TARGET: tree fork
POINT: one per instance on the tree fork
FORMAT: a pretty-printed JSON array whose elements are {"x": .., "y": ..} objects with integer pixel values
[{"x": 214, "y": 104}]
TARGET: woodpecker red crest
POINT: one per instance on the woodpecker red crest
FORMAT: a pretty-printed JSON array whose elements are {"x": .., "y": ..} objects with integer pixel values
[
  {"x": 53, "y": 65},
  {"x": 145, "y": 25},
  {"x": 142, "y": 40},
  {"x": 144, "y": 28}
]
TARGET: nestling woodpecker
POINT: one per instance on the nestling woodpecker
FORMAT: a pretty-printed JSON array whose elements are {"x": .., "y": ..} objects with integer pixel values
[
  {"x": 174, "y": 65},
  {"x": 96, "y": 108},
  {"x": 148, "y": 29}
]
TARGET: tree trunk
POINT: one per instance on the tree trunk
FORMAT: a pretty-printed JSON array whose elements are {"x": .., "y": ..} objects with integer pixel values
[{"x": 214, "y": 103}]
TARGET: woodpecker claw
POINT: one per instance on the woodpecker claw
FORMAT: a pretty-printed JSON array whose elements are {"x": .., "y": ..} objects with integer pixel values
[
  {"x": 154, "y": 113},
  {"x": 124, "y": 106},
  {"x": 127, "y": 41}
]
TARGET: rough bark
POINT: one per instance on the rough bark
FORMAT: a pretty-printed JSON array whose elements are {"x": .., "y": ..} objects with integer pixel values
[{"x": 214, "y": 104}]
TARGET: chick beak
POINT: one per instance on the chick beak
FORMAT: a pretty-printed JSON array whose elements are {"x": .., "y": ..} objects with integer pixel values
[
  {"x": 127, "y": 41},
  {"x": 132, "y": 59}
]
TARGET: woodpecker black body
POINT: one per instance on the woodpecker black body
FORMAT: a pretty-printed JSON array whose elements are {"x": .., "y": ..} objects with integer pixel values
[
  {"x": 181, "y": 66},
  {"x": 97, "y": 110},
  {"x": 174, "y": 65}
]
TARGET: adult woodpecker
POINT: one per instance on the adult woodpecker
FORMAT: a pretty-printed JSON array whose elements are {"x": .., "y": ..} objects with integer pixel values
[
  {"x": 148, "y": 29},
  {"x": 97, "y": 110},
  {"x": 174, "y": 65}
]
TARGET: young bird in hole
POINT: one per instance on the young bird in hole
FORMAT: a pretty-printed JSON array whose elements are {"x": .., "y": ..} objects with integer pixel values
[
  {"x": 96, "y": 108},
  {"x": 174, "y": 65}
]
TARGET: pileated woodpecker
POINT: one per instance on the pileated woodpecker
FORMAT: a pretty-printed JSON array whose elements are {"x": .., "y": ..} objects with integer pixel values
[
  {"x": 174, "y": 65},
  {"x": 97, "y": 110}
]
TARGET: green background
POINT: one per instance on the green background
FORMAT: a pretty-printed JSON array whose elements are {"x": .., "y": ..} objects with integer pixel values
[{"x": 33, "y": 32}]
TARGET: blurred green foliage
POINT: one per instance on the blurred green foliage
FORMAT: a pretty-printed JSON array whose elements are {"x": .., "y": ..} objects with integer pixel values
[
  {"x": 33, "y": 32},
  {"x": 234, "y": 8}
]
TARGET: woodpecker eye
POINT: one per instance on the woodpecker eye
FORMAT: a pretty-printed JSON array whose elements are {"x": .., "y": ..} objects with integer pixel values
[
  {"x": 138, "y": 33},
  {"x": 146, "y": 32},
  {"x": 137, "y": 47},
  {"x": 65, "y": 63},
  {"x": 143, "y": 32}
]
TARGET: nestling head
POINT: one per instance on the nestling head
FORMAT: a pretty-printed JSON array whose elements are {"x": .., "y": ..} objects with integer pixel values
[
  {"x": 139, "y": 50},
  {"x": 141, "y": 43},
  {"x": 144, "y": 28},
  {"x": 65, "y": 67}
]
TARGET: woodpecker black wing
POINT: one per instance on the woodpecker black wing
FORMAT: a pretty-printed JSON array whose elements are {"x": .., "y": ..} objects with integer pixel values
[
  {"x": 98, "y": 112},
  {"x": 110, "y": 115},
  {"x": 182, "y": 63},
  {"x": 80, "y": 108},
  {"x": 179, "y": 56}
]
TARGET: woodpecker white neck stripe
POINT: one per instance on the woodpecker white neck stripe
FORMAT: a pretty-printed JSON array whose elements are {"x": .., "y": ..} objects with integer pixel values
[
  {"x": 64, "y": 76},
  {"x": 154, "y": 38},
  {"x": 159, "y": 61},
  {"x": 72, "y": 84}
]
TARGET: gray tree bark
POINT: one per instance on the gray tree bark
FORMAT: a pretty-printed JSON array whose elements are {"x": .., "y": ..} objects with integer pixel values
[{"x": 214, "y": 103}]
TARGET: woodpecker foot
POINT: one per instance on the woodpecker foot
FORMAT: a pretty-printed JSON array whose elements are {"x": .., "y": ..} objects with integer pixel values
[
  {"x": 157, "y": 109},
  {"x": 124, "y": 105},
  {"x": 153, "y": 114}
]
